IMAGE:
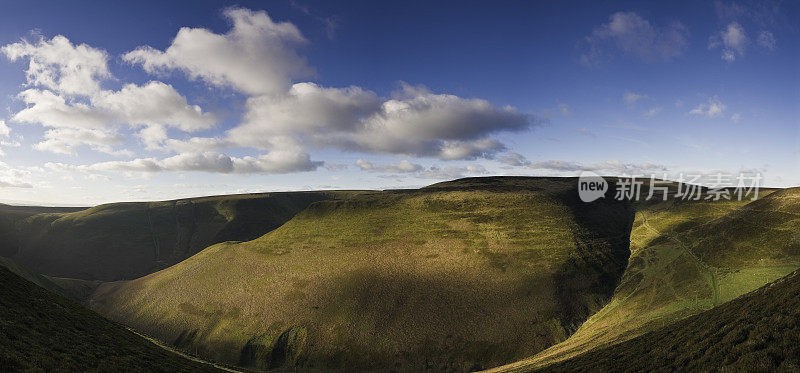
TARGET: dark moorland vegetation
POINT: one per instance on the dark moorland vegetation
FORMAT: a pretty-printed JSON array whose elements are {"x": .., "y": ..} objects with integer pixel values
[
  {"x": 43, "y": 332},
  {"x": 758, "y": 332}
]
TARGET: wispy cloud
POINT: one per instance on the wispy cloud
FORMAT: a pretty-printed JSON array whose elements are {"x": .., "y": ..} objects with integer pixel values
[
  {"x": 586, "y": 132},
  {"x": 713, "y": 108},
  {"x": 652, "y": 112},
  {"x": 632, "y": 35},
  {"x": 630, "y": 98}
]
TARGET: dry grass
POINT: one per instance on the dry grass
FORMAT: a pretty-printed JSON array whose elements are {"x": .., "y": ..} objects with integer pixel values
[{"x": 446, "y": 278}]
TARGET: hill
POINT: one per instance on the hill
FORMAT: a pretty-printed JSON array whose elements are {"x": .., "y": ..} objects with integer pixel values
[
  {"x": 41, "y": 331},
  {"x": 758, "y": 332},
  {"x": 128, "y": 240},
  {"x": 687, "y": 257},
  {"x": 456, "y": 276}
]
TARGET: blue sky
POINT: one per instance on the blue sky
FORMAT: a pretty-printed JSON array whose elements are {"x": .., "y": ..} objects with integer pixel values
[{"x": 157, "y": 100}]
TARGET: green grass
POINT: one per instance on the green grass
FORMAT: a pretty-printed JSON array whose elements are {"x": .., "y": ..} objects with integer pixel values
[
  {"x": 687, "y": 257},
  {"x": 461, "y": 275},
  {"x": 450, "y": 277},
  {"x": 758, "y": 332},
  {"x": 128, "y": 240},
  {"x": 43, "y": 332}
]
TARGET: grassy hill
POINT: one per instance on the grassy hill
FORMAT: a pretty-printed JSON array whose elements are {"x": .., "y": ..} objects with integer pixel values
[
  {"x": 758, "y": 332},
  {"x": 456, "y": 276},
  {"x": 128, "y": 240},
  {"x": 687, "y": 257},
  {"x": 43, "y": 332}
]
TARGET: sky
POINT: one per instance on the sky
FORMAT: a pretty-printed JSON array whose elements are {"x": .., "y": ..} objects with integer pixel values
[{"x": 133, "y": 101}]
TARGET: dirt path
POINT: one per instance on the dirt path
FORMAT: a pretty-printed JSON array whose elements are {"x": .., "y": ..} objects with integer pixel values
[{"x": 183, "y": 355}]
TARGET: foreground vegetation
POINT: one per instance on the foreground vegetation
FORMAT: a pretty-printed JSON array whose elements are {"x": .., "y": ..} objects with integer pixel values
[
  {"x": 43, "y": 332},
  {"x": 758, "y": 332}
]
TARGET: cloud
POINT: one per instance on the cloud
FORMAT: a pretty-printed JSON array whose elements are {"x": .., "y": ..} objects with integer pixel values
[
  {"x": 513, "y": 158},
  {"x": 51, "y": 110},
  {"x": 13, "y": 178},
  {"x": 652, "y": 112},
  {"x": 630, "y": 98},
  {"x": 713, "y": 108},
  {"x": 14, "y": 184},
  {"x": 611, "y": 167},
  {"x": 403, "y": 166},
  {"x": 564, "y": 109},
  {"x": 256, "y": 56},
  {"x": 586, "y": 132},
  {"x": 732, "y": 39},
  {"x": 418, "y": 171},
  {"x": 736, "y": 117},
  {"x": 767, "y": 40},
  {"x": 153, "y": 104},
  {"x": 629, "y": 33},
  {"x": 59, "y": 65},
  {"x": 64, "y": 140},
  {"x": 275, "y": 162},
  {"x": 449, "y": 173},
  {"x": 5, "y": 132},
  {"x": 415, "y": 123},
  {"x": 69, "y": 100},
  {"x": 282, "y": 119}
]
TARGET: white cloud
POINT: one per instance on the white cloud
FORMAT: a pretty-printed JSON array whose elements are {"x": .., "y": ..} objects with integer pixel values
[
  {"x": 414, "y": 123},
  {"x": 629, "y": 33},
  {"x": 78, "y": 111},
  {"x": 732, "y": 39},
  {"x": 64, "y": 140},
  {"x": 4, "y": 135},
  {"x": 399, "y": 167},
  {"x": 307, "y": 109},
  {"x": 713, "y": 108},
  {"x": 256, "y": 56},
  {"x": 611, "y": 167},
  {"x": 51, "y": 110},
  {"x": 767, "y": 40},
  {"x": 564, "y": 109},
  {"x": 13, "y": 178},
  {"x": 4, "y": 130},
  {"x": 449, "y": 173},
  {"x": 282, "y": 119},
  {"x": 153, "y": 104},
  {"x": 59, "y": 65},
  {"x": 735, "y": 118},
  {"x": 274, "y": 162},
  {"x": 652, "y": 112},
  {"x": 586, "y": 132},
  {"x": 630, "y": 98}
]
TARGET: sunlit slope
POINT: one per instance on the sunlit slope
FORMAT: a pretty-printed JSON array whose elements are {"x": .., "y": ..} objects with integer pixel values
[
  {"x": 686, "y": 257},
  {"x": 758, "y": 332},
  {"x": 128, "y": 240},
  {"x": 43, "y": 332},
  {"x": 457, "y": 276}
]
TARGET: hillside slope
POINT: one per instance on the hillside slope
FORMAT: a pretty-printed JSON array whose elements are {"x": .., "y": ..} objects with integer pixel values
[
  {"x": 456, "y": 276},
  {"x": 41, "y": 331},
  {"x": 758, "y": 332},
  {"x": 128, "y": 240},
  {"x": 687, "y": 257}
]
